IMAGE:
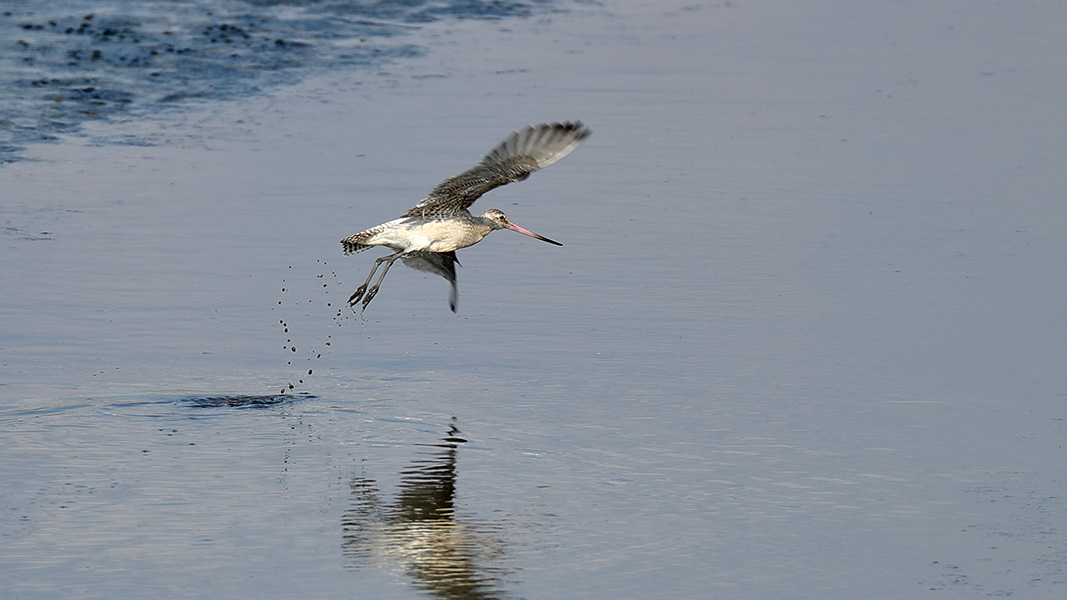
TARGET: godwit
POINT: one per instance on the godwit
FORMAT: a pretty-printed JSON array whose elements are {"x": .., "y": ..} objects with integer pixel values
[{"x": 427, "y": 236}]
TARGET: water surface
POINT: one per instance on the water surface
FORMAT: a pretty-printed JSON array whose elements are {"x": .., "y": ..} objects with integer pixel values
[{"x": 804, "y": 338}]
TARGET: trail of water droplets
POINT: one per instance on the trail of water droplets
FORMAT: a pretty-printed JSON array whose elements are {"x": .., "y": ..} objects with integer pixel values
[{"x": 322, "y": 343}]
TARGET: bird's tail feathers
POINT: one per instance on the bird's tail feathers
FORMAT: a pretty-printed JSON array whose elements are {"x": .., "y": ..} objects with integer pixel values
[{"x": 352, "y": 246}]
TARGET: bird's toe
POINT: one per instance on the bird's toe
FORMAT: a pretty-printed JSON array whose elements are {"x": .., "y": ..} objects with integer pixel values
[{"x": 356, "y": 295}]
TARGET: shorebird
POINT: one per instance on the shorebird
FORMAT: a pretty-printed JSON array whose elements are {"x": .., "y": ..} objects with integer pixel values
[{"x": 427, "y": 236}]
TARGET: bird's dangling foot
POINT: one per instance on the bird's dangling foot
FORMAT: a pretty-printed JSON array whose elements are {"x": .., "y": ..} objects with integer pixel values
[
  {"x": 354, "y": 298},
  {"x": 370, "y": 294}
]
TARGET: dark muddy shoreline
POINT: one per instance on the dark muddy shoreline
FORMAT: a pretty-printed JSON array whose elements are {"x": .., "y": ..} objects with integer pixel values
[{"x": 63, "y": 64}]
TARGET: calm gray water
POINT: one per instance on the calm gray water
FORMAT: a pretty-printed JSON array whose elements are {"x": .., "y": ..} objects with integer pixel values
[{"x": 805, "y": 338}]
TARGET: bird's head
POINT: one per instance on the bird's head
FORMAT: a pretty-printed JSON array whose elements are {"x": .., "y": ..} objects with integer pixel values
[{"x": 498, "y": 220}]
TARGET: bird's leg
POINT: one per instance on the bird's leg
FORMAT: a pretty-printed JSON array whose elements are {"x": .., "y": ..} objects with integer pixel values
[
  {"x": 389, "y": 260},
  {"x": 356, "y": 295},
  {"x": 354, "y": 298}
]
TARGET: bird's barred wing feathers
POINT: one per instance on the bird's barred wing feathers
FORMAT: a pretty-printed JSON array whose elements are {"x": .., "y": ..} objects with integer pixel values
[
  {"x": 520, "y": 154},
  {"x": 439, "y": 263}
]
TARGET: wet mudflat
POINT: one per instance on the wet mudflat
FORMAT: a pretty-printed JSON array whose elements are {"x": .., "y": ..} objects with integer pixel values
[
  {"x": 64, "y": 64},
  {"x": 803, "y": 339}
]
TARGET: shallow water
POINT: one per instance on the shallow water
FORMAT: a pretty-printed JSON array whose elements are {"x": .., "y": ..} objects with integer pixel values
[
  {"x": 804, "y": 338},
  {"x": 65, "y": 63}
]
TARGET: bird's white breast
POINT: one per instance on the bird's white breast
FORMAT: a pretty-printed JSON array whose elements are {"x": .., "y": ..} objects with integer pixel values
[{"x": 434, "y": 235}]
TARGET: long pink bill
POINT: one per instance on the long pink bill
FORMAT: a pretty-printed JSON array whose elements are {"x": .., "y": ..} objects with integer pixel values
[{"x": 515, "y": 227}]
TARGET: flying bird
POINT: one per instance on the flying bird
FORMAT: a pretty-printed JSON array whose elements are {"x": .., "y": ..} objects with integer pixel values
[{"x": 427, "y": 236}]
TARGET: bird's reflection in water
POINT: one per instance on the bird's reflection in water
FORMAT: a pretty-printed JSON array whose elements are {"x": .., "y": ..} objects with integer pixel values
[{"x": 419, "y": 532}]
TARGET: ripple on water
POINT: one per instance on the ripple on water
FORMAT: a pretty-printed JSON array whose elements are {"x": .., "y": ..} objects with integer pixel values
[
  {"x": 169, "y": 406},
  {"x": 243, "y": 401}
]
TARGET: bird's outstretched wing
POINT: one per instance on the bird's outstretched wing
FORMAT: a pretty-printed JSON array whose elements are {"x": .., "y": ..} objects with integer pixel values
[
  {"x": 441, "y": 263},
  {"x": 522, "y": 153}
]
